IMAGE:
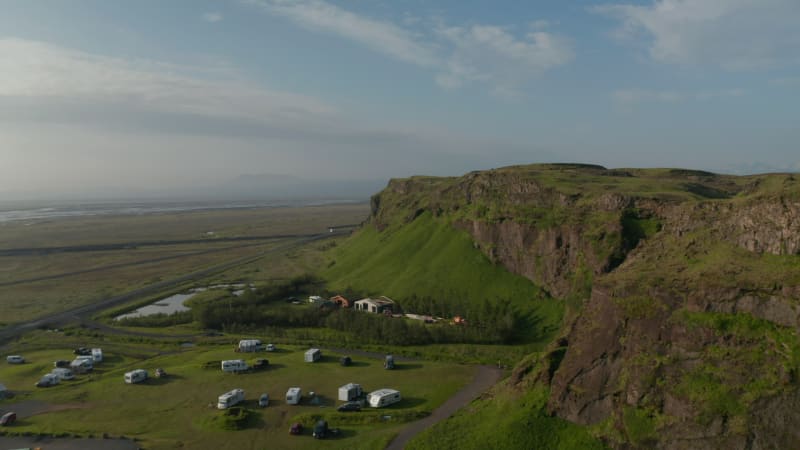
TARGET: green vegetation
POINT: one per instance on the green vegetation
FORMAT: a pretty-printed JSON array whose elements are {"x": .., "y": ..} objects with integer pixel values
[
  {"x": 640, "y": 426},
  {"x": 435, "y": 269},
  {"x": 180, "y": 410},
  {"x": 511, "y": 419}
]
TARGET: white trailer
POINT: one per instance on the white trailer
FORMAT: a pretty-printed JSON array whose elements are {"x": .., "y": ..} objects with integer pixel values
[
  {"x": 293, "y": 396},
  {"x": 48, "y": 380},
  {"x": 63, "y": 373},
  {"x": 350, "y": 392},
  {"x": 233, "y": 365},
  {"x": 229, "y": 399},
  {"x": 97, "y": 355},
  {"x": 250, "y": 345},
  {"x": 313, "y": 355},
  {"x": 135, "y": 376},
  {"x": 81, "y": 365},
  {"x": 383, "y": 397}
]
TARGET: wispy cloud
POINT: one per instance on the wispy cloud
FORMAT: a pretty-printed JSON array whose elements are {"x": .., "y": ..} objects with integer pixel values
[
  {"x": 212, "y": 17},
  {"x": 631, "y": 97},
  {"x": 457, "y": 55},
  {"x": 732, "y": 34}
]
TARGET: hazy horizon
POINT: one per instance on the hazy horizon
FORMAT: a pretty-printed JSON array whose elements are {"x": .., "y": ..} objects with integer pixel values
[{"x": 105, "y": 98}]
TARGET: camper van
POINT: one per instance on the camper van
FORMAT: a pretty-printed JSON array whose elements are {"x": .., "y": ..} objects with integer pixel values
[
  {"x": 250, "y": 345},
  {"x": 135, "y": 376},
  {"x": 63, "y": 373},
  {"x": 15, "y": 359},
  {"x": 48, "y": 380},
  {"x": 229, "y": 399},
  {"x": 383, "y": 397},
  {"x": 350, "y": 392},
  {"x": 313, "y": 355},
  {"x": 81, "y": 365},
  {"x": 293, "y": 396},
  {"x": 97, "y": 355},
  {"x": 234, "y": 365}
]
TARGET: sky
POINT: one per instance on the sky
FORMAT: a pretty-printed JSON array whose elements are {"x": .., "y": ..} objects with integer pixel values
[{"x": 153, "y": 95}]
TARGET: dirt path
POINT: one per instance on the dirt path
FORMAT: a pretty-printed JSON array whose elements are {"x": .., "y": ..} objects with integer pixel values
[{"x": 486, "y": 377}]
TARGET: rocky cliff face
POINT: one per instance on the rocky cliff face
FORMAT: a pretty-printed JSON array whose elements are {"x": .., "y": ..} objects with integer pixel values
[{"x": 688, "y": 337}]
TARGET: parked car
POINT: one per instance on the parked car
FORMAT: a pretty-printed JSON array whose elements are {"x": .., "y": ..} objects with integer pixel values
[
  {"x": 271, "y": 348},
  {"x": 297, "y": 428},
  {"x": 82, "y": 351},
  {"x": 161, "y": 373},
  {"x": 346, "y": 361},
  {"x": 61, "y": 363},
  {"x": 15, "y": 359},
  {"x": 263, "y": 401},
  {"x": 349, "y": 406},
  {"x": 320, "y": 429},
  {"x": 7, "y": 419}
]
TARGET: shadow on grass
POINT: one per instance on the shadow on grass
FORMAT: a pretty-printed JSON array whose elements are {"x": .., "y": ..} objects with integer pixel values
[
  {"x": 359, "y": 364},
  {"x": 406, "y": 402},
  {"x": 170, "y": 378},
  {"x": 407, "y": 366}
]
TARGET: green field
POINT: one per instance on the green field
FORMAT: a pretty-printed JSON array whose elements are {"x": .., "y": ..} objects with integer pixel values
[{"x": 179, "y": 412}]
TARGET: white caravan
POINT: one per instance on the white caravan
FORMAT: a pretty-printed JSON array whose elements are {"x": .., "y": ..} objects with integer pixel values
[
  {"x": 250, "y": 345},
  {"x": 229, "y": 399},
  {"x": 383, "y": 397},
  {"x": 63, "y": 373},
  {"x": 293, "y": 396},
  {"x": 234, "y": 365},
  {"x": 97, "y": 355},
  {"x": 350, "y": 392},
  {"x": 135, "y": 376},
  {"x": 313, "y": 355},
  {"x": 48, "y": 380},
  {"x": 15, "y": 359},
  {"x": 81, "y": 365}
]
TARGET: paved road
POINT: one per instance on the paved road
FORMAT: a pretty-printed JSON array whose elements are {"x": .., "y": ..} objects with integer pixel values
[
  {"x": 76, "y": 314},
  {"x": 486, "y": 377}
]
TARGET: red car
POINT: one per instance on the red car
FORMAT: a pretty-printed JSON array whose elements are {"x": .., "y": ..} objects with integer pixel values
[
  {"x": 8, "y": 418},
  {"x": 297, "y": 428}
]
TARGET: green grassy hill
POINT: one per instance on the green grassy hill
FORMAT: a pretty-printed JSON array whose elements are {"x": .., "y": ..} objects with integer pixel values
[{"x": 429, "y": 258}]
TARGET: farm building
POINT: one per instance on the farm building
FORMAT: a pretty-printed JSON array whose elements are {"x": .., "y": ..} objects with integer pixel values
[
  {"x": 375, "y": 305},
  {"x": 341, "y": 301}
]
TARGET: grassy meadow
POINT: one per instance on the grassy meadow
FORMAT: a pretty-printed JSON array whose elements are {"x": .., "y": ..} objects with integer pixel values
[{"x": 179, "y": 411}]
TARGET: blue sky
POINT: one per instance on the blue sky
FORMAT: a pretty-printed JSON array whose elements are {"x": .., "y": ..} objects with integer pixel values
[{"x": 158, "y": 94}]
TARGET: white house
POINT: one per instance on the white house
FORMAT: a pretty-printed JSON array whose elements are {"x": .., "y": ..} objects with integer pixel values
[{"x": 375, "y": 305}]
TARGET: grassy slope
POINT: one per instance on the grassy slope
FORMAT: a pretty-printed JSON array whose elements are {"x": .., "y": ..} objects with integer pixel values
[
  {"x": 509, "y": 420},
  {"x": 429, "y": 258}
]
